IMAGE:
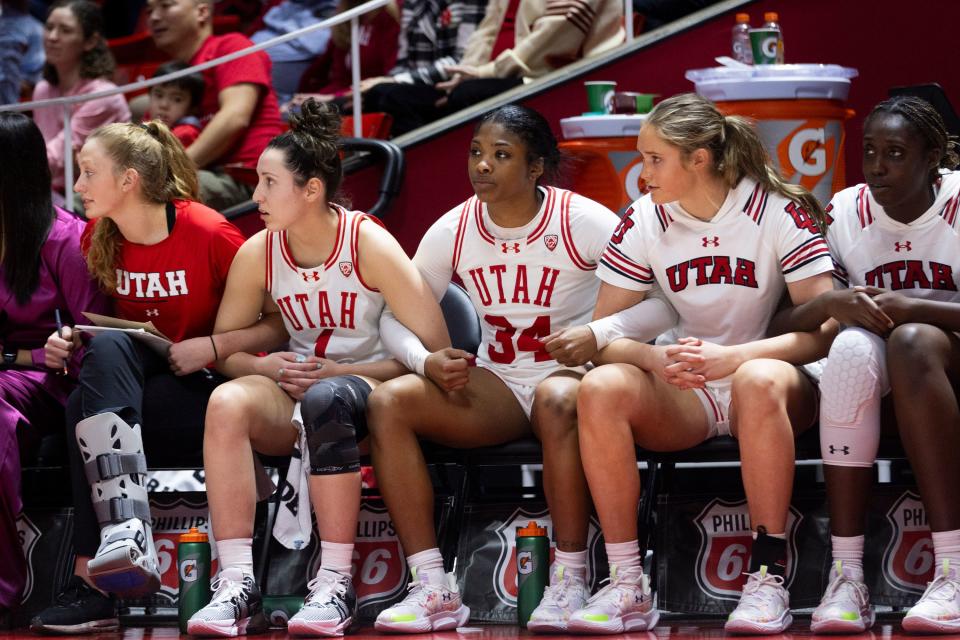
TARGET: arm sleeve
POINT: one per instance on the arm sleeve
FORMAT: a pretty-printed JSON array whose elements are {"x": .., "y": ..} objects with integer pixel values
[
  {"x": 643, "y": 321},
  {"x": 800, "y": 247},
  {"x": 434, "y": 259}
]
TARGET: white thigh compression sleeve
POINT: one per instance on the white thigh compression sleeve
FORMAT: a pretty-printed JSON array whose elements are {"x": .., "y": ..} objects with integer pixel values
[{"x": 853, "y": 382}]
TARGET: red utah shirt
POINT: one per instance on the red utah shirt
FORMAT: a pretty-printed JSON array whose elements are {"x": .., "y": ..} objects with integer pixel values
[{"x": 177, "y": 283}]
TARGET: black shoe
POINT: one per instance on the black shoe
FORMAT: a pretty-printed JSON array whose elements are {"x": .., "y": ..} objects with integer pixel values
[{"x": 79, "y": 608}]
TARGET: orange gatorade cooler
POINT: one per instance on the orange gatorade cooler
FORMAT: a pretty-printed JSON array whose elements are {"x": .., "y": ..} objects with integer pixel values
[
  {"x": 605, "y": 165},
  {"x": 799, "y": 111}
]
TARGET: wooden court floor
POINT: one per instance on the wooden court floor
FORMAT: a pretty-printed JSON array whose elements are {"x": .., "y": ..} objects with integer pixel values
[{"x": 672, "y": 628}]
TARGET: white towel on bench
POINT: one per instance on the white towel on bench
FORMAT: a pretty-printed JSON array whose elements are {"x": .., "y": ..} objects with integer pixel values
[{"x": 294, "y": 524}]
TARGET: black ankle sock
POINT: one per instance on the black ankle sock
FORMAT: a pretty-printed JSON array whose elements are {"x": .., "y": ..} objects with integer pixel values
[{"x": 768, "y": 551}]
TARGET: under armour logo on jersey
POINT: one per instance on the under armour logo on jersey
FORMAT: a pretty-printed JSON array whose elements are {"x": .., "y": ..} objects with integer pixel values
[
  {"x": 153, "y": 313},
  {"x": 902, "y": 246},
  {"x": 447, "y": 596},
  {"x": 313, "y": 275},
  {"x": 845, "y": 450},
  {"x": 707, "y": 242},
  {"x": 510, "y": 246},
  {"x": 551, "y": 241},
  {"x": 346, "y": 268}
]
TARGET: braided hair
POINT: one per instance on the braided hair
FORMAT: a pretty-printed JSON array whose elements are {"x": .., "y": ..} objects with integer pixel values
[{"x": 927, "y": 122}]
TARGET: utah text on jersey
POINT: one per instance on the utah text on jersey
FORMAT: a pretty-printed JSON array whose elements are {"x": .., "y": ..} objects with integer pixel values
[{"x": 152, "y": 284}]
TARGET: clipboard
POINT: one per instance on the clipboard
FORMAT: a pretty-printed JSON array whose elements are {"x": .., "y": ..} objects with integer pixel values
[{"x": 143, "y": 331}]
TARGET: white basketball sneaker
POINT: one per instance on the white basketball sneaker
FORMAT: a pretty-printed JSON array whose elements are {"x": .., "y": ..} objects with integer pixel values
[
  {"x": 938, "y": 610},
  {"x": 427, "y": 607},
  {"x": 845, "y": 606},
  {"x": 764, "y": 606},
  {"x": 623, "y": 605},
  {"x": 565, "y": 594}
]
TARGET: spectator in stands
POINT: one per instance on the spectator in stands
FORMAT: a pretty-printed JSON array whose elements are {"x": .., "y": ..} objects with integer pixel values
[
  {"x": 78, "y": 62},
  {"x": 526, "y": 253},
  {"x": 316, "y": 392},
  {"x": 176, "y": 103},
  {"x": 292, "y": 58},
  {"x": 42, "y": 273},
  {"x": 434, "y": 36},
  {"x": 518, "y": 40},
  {"x": 330, "y": 76},
  {"x": 21, "y": 51},
  {"x": 711, "y": 185},
  {"x": 163, "y": 258},
  {"x": 898, "y": 356},
  {"x": 240, "y": 113}
]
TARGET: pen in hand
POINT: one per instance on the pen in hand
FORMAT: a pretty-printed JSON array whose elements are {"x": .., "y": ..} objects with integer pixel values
[{"x": 56, "y": 314}]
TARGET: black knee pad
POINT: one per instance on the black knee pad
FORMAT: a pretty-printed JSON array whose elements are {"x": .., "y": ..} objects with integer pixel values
[{"x": 334, "y": 416}]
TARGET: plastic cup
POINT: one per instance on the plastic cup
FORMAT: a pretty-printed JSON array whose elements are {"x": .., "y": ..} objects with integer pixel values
[
  {"x": 600, "y": 95},
  {"x": 645, "y": 102},
  {"x": 628, "y": 102},
  {"x": 765, "y": 43}
]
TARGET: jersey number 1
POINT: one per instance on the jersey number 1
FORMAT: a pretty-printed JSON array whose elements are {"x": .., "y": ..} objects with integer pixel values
[
  {"x": 320, "y": 346},
  {"x": 529, "y": 339}
]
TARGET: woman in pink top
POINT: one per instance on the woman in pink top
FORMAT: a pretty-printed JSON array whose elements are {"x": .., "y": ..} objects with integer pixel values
[{"x": 78, "y": 62}]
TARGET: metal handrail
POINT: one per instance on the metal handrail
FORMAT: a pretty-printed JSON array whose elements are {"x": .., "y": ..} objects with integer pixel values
[{"x": 352, "y": 15}]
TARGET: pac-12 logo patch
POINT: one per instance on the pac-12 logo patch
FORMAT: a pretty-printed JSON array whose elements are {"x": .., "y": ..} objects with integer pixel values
[
  {"x": 908, "y": 561},
  {"x": 346, "y": 268},
  {"x": 551, "y": 241},
  {"x": 725, "y": 543}
]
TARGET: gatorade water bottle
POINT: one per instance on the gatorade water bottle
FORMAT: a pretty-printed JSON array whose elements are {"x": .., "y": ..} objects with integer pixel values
[
  {"x": 193, "y": 567},
  {"x": 533, "y": 568},
  {"x": 741, "y": 39},
  {"x": 772, "y": 22}
]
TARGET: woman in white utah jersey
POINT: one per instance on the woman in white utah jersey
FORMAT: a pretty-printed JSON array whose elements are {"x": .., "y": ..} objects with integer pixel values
[
  {"x": 329, "y": 271},
  {"x": 897, "y": 247},
  {"x": 723, "y": 235},
  {"x": 526, "y": 254}
]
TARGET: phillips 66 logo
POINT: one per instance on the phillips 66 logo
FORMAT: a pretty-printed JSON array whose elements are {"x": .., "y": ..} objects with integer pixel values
[
  {"x": 379, "y": 568},
  {"x": 908, "y": 561},
  {"x": 170, "y": 519},
  {"x": 725, "y": 542}
]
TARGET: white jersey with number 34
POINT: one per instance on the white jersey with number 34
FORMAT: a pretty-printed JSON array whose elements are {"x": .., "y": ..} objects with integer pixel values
[{"x": 525, "y": 282}]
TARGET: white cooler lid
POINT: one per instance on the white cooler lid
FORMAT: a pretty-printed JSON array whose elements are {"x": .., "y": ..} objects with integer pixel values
[
  {"x": 773, "y": 82},
  {"x": 606, "y": 126}
]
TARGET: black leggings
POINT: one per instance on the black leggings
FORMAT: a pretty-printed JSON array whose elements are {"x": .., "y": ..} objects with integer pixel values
[{"x": 122, "y": 376}]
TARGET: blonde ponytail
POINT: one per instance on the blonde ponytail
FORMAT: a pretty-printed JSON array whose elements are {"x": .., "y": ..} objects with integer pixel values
[
  {"x": 691, "y": 122},
  {"x": 744, "y": 155},
  {"x": 166, "y": 174}
]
